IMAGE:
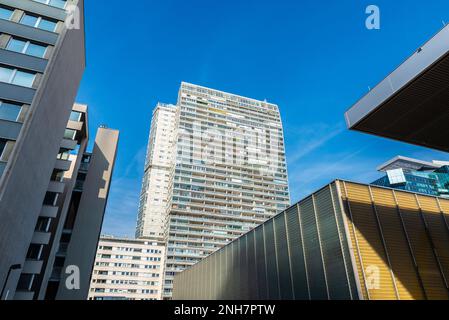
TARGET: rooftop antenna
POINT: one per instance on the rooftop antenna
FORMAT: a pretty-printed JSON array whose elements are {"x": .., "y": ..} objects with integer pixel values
[{"x": 444, "y": 23}]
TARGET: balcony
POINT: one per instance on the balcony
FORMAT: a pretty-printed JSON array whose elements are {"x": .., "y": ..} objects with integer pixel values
[
  {"x": 63, "y": 165},
  {"x": 49, "y": 212},
  {"x": 41, "y": 238},
  {"x": 32, "y": 267},
  {"x": 56, "y": 187}
]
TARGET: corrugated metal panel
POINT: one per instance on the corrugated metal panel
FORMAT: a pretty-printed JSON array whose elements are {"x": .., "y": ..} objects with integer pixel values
[
  {"x": 438, "y": 231},
  {"x": 299, "y": 274},
  {"x": 236, "y": 287},
  {"x": 282, "y": 252},
  {"x": 407, "y": 281},
  {"x": 421, "y": 246},
  {"x": 337, "y": 281},
  {"x": 244, "y": 289},
  {"x": 221, "y": 265},
  {"x": 376, "y": 271},
  {"x": 253, "y": 284},
  {"x": 344, "y": 236},
  {"x": 313, "y": 254},
  {"x": 270, "y": 254},
  {"x": 260, "y": 261}
]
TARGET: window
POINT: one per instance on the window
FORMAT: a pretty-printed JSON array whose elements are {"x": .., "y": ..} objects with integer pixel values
[
  {"x": 70, "y": 134},
  {"x": 26, "y": 47},
  {"x": 9, "y": 111},
  {"x": 2, "y": 146},
  {"x": 75, "y": 116},
  {"x": 50, "y": 199},
  {"x": 34, "y": 252},
  {"x": 5, "y": 13},
  {"x": 54, "y": 3},
  {"x": 38, "y": 22},
  {"x": 63, "y": 154},
  {"x": 43, "y": 224},
  {"x": 14, "y": 76}
]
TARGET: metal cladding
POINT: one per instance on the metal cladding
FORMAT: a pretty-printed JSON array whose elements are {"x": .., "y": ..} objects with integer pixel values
[
  {"x": 410, "y": 105},
  {"x": 347, "y": 241}
]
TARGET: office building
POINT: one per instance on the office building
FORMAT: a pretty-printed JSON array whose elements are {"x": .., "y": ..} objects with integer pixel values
[
  {"x": 41, "y": 65},
  {"x": 127, "y": 269},
  {"x": 228, "y": 172},
  {"x": 156, "y": 181},
  {"x": 347, "y": 241},
  {"x": 418, "y": 176},
  {"x": 70, "y": 217},
  {"x": 410, "y": 105}
]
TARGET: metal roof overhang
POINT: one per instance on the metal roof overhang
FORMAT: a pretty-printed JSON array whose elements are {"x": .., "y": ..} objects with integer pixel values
[{"x": 412, "y": 103}]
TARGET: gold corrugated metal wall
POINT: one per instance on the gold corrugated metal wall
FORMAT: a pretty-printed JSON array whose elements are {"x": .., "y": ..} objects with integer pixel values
[{"x": 400, "y": 242}]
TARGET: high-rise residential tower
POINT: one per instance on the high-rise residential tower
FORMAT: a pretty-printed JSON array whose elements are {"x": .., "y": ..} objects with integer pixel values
[
  {"x": 158, "y": 165},
  {"x": 228, "y": 173},
  {"x": 42, "y": 59}
]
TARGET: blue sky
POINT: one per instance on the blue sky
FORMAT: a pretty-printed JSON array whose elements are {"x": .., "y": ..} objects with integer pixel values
[{"x": 312, "y": 58}]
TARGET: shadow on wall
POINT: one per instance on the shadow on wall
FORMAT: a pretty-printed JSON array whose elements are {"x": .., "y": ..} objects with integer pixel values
[{"x": 402, "y": 251}]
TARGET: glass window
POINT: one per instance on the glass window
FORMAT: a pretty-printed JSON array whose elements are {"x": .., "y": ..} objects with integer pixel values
[
  {"x": 26, "y": 47},
  {"x": 70, "y": 134},
  {"x": 75, "y": 116},
  {"x": 55, "y": 3},
  {"x": 29, "y": 20},
  {"x": 9, "y": 111},
  {"x": 6, "y": 74},
  {"x": 47, "y": 25},
  {"x": 2, "y": 146},
  {"x": 38, "y": 22},
  {"x": 16, "y": 45},
  {"x": 58, "y": 3},
  {"x": 24, "y": 79},
  {"x": 5, "y": 13},
  {"x": 36, "y": 50}
]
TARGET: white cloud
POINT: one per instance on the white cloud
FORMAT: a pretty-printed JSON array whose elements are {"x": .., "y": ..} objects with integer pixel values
[{"x": 312, "y": 137}]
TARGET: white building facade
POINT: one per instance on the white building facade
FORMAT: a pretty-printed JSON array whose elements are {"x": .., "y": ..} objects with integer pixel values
[
  {"x": 127, "y": 269},
  {"x": 156, "y": 182}
]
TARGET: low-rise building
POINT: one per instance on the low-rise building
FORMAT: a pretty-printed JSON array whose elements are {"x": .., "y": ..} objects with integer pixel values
[{"x": 127, "y": 269}]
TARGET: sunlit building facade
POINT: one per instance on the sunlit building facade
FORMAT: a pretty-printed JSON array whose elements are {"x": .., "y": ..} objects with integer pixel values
[
  {"x": 127, "y": 269},
  {"x": 229, "y": 174},
  {"x": 156, "y": 180}
]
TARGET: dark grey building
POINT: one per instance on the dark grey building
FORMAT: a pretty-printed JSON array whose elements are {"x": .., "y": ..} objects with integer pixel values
[{"x": 42, "y": 59}]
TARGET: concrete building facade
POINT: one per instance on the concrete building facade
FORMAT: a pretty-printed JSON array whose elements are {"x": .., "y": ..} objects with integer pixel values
[
  {"x": 347, "y": 241},
  {"x": 127, "y": 269},
  {"x": 156, "y": 182},
  {"x": 41, "y": 65},
  {"x": 68, "y": 227},
  {"x": 223, "y": 161}
]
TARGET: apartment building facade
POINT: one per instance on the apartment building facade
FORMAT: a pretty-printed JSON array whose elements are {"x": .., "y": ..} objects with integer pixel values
[
  {"x": 227, "y": 175},
  {"x": 347, "y": 241},
  {"x": 71, "y": 215},
  {"x": 127, "y": 269},
  {"x": 41, "y": 65},
  {"x": 156, "y": 182}
]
